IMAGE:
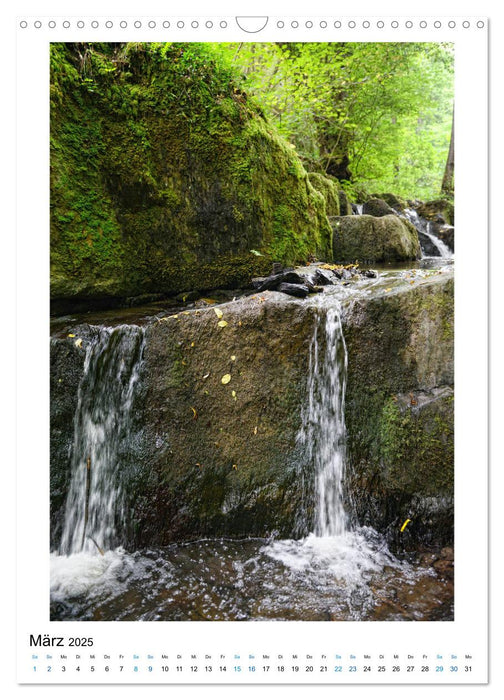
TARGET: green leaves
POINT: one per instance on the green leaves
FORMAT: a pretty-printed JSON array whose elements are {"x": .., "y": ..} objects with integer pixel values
[{"x": 385, "y": 106}]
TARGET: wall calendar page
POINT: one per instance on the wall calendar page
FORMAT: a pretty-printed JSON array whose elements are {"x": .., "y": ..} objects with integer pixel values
[{"x": 252, "y": 392}]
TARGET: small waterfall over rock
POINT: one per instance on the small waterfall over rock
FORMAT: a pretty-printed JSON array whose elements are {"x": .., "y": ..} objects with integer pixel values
[
  {"x": 95, "y": 510},
  {"x": 323, "y": 433},
  {"x": 431, "y": 245}
]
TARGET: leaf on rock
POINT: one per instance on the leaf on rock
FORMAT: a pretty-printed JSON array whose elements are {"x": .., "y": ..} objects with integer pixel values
[
  {"x": 222, "y": 324},
  {"x": 226, "y": 379},
  {"x": 195, "y": 412},
  {"x": 78, "y": 343},
  {"x": 71, "y": 335},
  {"x": 218, "y": 313}
]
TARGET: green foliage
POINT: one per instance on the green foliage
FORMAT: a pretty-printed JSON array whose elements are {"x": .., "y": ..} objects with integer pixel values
[{"x": 380, "y": 112}]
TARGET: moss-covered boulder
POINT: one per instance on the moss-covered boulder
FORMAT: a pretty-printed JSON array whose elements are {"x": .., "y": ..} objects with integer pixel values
[
  {"x": 374, "y": 239},
  {"x": 165, "y": 175},
  {"x": 328, "y": 188}
]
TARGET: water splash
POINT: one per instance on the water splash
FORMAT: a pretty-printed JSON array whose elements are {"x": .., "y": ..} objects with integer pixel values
[{"x": 95, "y": 511}]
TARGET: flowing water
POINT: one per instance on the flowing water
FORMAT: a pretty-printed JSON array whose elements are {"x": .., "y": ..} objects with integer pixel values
[
  {"x": 95, "y": 515},
  {"x": 425, "y": 227}
]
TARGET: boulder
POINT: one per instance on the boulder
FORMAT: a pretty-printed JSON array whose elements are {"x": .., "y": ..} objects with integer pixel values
[
  {"x": 377, "y": 207},
  {"x": 374, "y": 239}
]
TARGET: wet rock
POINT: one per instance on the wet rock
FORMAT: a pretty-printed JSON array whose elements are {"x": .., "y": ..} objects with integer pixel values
[
  {"x": 261, "y": 284},
  {"x": 429, "y": 248},
  {"x": 322, "y": 278},
  {"x": 295, "y": 290}
]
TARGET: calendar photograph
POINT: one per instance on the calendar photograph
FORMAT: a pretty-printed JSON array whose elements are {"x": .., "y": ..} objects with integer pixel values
[{"x": 252, "y": 336}]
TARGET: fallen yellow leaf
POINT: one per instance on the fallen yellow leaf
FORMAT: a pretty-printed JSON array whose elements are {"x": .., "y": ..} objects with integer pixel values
[
  {"x": 226, "y": 379},
  {"x": 255, "y": 430},
  {"x": 195, "y": 412},
  {"x": 78, "y": 343},
  {"x": 222, "y": 324},
  {"x": 233, "y": 358},
  {"x": 71, "y": 335},
  {"x": 404, "y": 524},
  {"x": 218, "y": 313}
]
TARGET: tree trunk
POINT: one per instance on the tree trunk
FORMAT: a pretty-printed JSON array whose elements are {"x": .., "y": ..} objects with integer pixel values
[{"x": 448, "y": 177}]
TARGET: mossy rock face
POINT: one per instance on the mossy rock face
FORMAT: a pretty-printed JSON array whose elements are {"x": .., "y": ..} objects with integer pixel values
[
  {"x": 374, "y": 239},
  {"x": 328, "y": 188},
  {"x": 165, "y": 175},
  {"x": 399, "y": 412}
]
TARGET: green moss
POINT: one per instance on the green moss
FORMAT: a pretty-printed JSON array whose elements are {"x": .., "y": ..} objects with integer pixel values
[
  {"x": 162, "y": 169},
  {"x": 416, "y": 446}
]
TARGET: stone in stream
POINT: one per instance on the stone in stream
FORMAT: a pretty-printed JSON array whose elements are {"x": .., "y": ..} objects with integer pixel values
[
  {"x": 321, "y": 278},
  {"x": 295, "y": 290},
  {"x": 374, "y": 239},
  {"x": 261, "y": 284},
  {"x": 377, "y": 207}
]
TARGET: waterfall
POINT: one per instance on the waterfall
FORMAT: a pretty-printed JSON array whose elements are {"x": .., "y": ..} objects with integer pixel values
[
  {"x": 424, "y": 228},
  {"x": 95, "y": 509},
  {"x": 323, "y": 433}
]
